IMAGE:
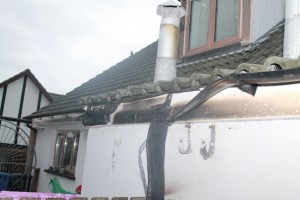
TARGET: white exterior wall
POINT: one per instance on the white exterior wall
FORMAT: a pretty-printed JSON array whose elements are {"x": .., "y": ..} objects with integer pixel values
[
  {"x": 11, "y": 107},
  {"x": 30, "y": 99},
  {"x": 45, "y": 143},
  {"x": 255, "y": 157},
  {"x": 44, "y": 102},
  {"x": 111, "y": 166},
  {"x": 30, "y": 102},
  {"x": 13, "y": 99},
  {"x": 268, "y": 13}
]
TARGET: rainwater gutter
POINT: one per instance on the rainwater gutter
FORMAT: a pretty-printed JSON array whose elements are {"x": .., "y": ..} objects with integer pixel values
[
  {"x": 25, "y": 121},
  {"x": 247, "y": 82}
]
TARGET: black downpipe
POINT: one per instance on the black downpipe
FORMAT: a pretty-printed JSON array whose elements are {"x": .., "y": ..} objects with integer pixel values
[
  {"x": 155, "y": 147},
  {"x": 158, "y": 128}
]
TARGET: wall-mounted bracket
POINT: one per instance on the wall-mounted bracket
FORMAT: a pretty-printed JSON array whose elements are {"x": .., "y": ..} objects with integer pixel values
[
  {"x": 203, "y": 150},
  {"x": 181, "y": 147},
  {"x": 141, "y": 167}
]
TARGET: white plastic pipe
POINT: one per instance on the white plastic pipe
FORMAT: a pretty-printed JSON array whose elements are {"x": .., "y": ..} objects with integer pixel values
[
  {"x": 165, "y": 69},
  {"x": 291, "y": 48}
]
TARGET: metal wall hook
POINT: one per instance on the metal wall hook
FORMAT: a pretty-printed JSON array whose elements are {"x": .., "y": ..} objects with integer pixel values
[
  {"x": 181, "y": 147},
  {"x": 203, "y": 150}
]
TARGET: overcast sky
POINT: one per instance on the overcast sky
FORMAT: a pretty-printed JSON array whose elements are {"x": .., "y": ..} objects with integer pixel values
[{"x": 67, "y": 42}]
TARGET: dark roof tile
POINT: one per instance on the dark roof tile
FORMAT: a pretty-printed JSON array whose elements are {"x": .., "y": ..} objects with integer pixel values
[
  {"x": 55, "y": 96},
  {"x": 132, "y": 78},
  {"x": 133, "y": 70}
]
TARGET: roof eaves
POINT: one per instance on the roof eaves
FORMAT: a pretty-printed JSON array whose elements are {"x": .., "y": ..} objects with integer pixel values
[
  {"x": 40, "y": 86},
  {"x": 184, "y": 84},
  {"x": 55, "y": 96},
  {"x": 79, "y": 109},
  {"x": 17, "y": 76}
]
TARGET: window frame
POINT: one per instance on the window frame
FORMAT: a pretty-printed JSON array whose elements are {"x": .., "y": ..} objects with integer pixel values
[
  {"x": 70, "y": 171},
  {"x": 242, "y": 36}
]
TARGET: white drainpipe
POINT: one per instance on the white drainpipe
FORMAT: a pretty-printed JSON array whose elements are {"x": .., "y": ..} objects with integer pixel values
[
  {"x": 291, "y": 48},
  {"x": 165, "y": 69}
]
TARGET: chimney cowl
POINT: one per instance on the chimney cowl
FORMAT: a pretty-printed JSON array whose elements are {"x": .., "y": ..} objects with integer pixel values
[
  {"x": 165, "y": 69},
  {"x": 171, "y": 12}
]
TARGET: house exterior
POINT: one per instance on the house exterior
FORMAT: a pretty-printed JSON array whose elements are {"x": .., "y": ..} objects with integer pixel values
[
  {"x": 22, "y": 95},
  {"x": 199, "y": 135}
]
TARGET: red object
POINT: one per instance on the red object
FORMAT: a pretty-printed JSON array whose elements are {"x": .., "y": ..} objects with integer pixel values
[{"x": 78, "y": 189}]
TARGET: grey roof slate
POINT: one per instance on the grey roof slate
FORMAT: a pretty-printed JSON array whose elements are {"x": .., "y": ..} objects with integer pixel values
[
  {"x": 134, "y": 70},
  {"x": 132, "y": 78},
  {"x": 55, "y": 96}
]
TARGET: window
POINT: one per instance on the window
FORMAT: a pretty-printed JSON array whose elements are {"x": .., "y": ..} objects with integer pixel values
[
  {"x": 212, "y": 24},
  {"x": 65, "y": 154}
]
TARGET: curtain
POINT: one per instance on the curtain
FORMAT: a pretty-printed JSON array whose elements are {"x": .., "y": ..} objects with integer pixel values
[
  {"x": 199, "y": 23},
  {"x": 226, "y": 19}
]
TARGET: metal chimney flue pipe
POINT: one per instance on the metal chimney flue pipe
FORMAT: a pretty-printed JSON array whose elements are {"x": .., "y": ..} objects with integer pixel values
[
  {"x": 165, "y": 69},
  {"x": 291, "y": 47}
]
